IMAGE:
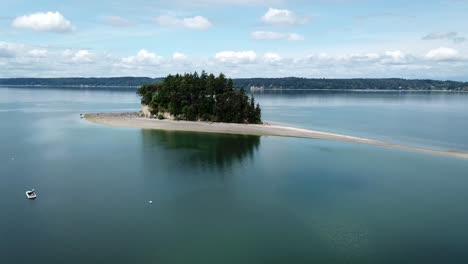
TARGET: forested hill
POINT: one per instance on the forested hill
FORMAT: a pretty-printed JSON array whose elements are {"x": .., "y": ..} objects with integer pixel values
[
  {"x": 260, "y": 83},
  {"x": 349, "y": 84},
  {"x": 113, "y": 81}
]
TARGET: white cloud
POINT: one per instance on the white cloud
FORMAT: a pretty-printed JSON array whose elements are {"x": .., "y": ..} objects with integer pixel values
[
  {"x": 79, "y": 56},
  {"x": 50, "y": 21},
  {"x": 117, "y": 21},
  {"x": 270, "y": 35},
  {"x": 24, "y": 60},
  {"x": 396, "y": 56},
  {"x": 82, "y": 56},
  {"x": 177, "y": 56},
  {"x": 143, "y": 57},
  {"x": 282, "y": 17},
  {"x": 196, "y": 22},
  {"x": 38, "y": 53},
  {"x": 443, "y": 54},
  {"x": 236, "y": 57},
  {"x": 272, "y": 57}
]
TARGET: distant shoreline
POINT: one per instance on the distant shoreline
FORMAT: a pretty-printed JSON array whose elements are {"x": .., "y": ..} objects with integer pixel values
[
  {"x": 135, "y": 121},
  {"x": 69, "y": 86},
  {"x": 279, "y": 83},
  {"x": 264, "y": 90}
]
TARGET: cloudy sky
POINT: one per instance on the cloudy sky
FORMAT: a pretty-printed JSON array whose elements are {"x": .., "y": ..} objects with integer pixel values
[{"x": 243, "y": 38}]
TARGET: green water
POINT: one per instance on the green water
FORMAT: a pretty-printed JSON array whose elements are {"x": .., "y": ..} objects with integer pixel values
[{"x": 232, "y": 199}]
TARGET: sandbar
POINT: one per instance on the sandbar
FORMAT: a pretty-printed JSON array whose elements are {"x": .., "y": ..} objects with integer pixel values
[{"x": 134, "y": 120}]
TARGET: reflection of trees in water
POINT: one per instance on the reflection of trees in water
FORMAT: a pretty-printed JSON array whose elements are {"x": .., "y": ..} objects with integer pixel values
[{"x": 204, "y": 149}]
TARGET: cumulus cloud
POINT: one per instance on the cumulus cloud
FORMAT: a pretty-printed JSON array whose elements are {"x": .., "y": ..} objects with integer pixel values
[
  {"x": 143, "y": 57},
  {"x": 46, "y": 22},
  {"x": 270, "y": 57},
  {"x": 236, "y": 57},
  {"x": 390, "y": 58},
  {"x": 38, "y": 53},
  {"x": 116, "y": 21},
  {"x": 196, "y": 22},
  {"x": 443, "y": 54},
  {"x": 78, "y": 56},
  {"x": 395, "y": 57},
  {"x": 282, "y": 17},
  {"x": 270, "y": 35},
  {"x": 177, "y": 56},
  {"x": 27, "y": 60},
  {"x": 23, "y": 60},
  {"x": 453, "y": 36}
]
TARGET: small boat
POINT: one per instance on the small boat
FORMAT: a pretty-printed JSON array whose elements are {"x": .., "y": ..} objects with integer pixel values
[{"x": 31, "y": 194}]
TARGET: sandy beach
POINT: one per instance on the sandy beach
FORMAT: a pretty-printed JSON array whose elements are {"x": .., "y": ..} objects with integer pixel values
[{"x": 135, "y": 121}]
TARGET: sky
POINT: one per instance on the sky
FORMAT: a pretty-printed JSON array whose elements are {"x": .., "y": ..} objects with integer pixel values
[{"x": 241, "y": 38}]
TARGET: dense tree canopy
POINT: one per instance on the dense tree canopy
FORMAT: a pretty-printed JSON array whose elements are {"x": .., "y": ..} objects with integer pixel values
[{"x": 200, "y": 97}]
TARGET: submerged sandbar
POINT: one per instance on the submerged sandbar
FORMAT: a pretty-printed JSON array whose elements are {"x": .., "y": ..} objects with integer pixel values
[{"x": 136, "y": 121}]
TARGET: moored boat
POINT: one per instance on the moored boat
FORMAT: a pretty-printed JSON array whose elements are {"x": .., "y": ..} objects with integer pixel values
[{"x": 31, "y": 194}]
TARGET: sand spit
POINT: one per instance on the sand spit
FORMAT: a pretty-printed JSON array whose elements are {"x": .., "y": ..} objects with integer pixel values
[{"x": 136, "y": 121}]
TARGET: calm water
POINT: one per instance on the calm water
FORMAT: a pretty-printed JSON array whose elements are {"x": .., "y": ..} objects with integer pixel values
[{"x": 233, "y": 199}]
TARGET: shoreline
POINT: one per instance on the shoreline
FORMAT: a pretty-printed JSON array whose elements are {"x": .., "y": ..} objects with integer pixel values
[
  {"x": 266, "y": 90},
  {"x": 133, "y": 120}
]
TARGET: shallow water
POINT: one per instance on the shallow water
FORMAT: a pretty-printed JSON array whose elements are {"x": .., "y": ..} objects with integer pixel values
[
  {"x": 233, "y": 199},
  {"x": 424, "y": 119}
]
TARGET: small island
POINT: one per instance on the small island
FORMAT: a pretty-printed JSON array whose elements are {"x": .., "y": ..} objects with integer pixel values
[
  {"x": 208, "y": 104},
  {"x": 193, "y": 97}
]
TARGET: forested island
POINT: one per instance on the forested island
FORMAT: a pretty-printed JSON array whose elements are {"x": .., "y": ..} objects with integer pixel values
[
  {"x": 180, "y": 102},
  {"x": 289, "y": 83},
  {"x": 203, "y": 97}
]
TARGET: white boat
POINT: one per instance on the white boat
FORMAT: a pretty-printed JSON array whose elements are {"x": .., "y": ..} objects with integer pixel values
[{"x": 31, "y": 194}]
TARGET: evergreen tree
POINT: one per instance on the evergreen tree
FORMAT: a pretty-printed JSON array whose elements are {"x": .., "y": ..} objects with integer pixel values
[{"x": 200, "y": 97}]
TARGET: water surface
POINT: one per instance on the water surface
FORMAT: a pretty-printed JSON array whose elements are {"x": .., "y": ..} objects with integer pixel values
[{"x": 228, "y": 198}]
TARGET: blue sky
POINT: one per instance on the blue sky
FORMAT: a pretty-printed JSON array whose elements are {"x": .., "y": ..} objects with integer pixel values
[{"x": 256, "y": 38}]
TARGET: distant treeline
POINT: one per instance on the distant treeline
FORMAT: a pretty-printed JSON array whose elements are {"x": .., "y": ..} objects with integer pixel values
[
  {"x": 349, "y": 84},
  {"x": 113, "y": 81},
  {"x": 261, "y": 83}
]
